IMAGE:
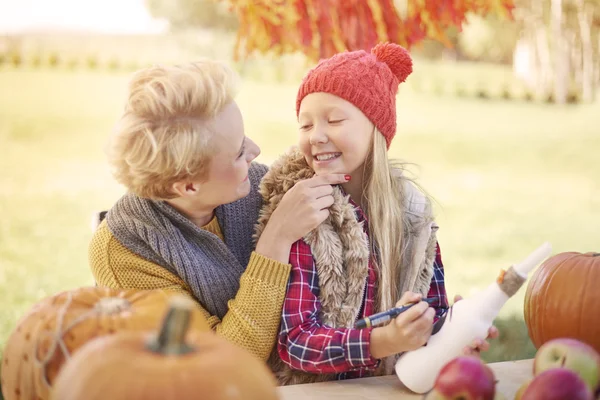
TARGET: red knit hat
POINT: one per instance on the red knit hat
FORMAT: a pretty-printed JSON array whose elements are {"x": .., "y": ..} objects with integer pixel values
[{"x": 367, "y": 80}]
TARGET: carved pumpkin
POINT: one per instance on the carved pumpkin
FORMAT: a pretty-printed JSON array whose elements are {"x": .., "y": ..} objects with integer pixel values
[
  {"x": 164, "y": 365},
  {"x": 57, "y": 326},
  {"x": 563, "y": 300}
]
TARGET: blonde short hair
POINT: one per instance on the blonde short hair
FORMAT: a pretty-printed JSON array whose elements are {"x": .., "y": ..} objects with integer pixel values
[{"x": 164, "y": 134}]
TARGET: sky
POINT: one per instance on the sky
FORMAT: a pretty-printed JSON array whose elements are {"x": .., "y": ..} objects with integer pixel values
[{"x": 99, "y": 16}]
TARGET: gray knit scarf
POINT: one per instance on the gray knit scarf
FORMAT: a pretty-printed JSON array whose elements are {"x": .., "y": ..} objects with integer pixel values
[{"x": 212, "y": 269}]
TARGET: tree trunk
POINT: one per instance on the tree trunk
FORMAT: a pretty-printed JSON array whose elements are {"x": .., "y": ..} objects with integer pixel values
[
  {"x": 544, "y": 61},
  {"x": 597, "y": 72},
  {"x": 575, "y": 57},
  {"x": 584, "y": 15},
  {"x": 561, "y": 59}
]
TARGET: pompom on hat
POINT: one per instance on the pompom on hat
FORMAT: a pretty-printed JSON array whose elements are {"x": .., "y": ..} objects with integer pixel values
[{"x": 368, "y": 80}]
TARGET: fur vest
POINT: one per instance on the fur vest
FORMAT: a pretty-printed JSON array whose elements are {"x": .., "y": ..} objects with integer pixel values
[{"x": 341, "y": 252}]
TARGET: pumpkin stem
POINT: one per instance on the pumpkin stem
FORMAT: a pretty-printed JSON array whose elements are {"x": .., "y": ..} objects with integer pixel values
[
  {"x": 112, "y": 305},
  {"x": 171, "y": 338}
]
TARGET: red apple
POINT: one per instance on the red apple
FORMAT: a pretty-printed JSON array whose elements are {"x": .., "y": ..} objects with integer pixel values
[
  {"x": 557, "y": 384},
  {"x": 466, "y": 378},
  {"x": 571, "y": 354}
]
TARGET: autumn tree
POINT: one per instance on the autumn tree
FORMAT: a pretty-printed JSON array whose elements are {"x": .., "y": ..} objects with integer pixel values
[
  {"x": 560, "y": 38},
  {"x": 321, "y": 28}
]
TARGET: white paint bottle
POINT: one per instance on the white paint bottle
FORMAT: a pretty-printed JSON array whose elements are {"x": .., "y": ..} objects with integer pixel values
[{"x": 467, "y": 320}]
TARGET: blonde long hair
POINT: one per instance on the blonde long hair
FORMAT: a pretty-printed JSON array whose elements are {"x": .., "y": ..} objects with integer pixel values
[{"x": 384, "y": 196}]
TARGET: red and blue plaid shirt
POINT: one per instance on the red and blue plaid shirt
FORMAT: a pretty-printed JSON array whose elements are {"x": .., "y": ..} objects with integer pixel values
[{"x": 306, "y": 344}]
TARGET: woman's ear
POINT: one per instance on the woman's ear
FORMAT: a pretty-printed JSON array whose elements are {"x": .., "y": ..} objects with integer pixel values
[{"x": 186, "y": 188}]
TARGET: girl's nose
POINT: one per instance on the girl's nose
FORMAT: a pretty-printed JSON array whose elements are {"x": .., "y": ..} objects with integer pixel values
[{"x": 318, "y": 137}]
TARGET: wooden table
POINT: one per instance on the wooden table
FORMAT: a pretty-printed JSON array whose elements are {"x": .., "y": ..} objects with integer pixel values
[{"x": 510, "y": 376}]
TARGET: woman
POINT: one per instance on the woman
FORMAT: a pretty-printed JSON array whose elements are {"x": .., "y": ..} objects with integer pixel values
[{"x": 186, "y": 222}]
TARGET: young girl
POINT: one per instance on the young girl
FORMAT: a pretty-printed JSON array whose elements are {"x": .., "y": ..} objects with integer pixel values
[{"x": 378, "y": 246}]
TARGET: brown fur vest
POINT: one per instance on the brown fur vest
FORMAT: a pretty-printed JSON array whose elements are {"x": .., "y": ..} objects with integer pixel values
[{"x": 341, "y": 252}]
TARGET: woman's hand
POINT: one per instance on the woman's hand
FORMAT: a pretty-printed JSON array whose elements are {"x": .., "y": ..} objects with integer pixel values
[
  {"x": 302, "y": 208},
  {"x": 479, "y": 345},
  {"x": 408, "y": 331}
]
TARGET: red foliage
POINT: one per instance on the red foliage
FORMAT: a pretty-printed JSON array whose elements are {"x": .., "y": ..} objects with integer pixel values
[{"x": 321, "y": 28}]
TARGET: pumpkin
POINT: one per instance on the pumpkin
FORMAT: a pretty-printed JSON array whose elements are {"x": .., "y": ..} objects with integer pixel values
[
  {"x": 562, "y": 299},
  {"x": 169, "y": 364},
  {"x": 57, "y": 326}
]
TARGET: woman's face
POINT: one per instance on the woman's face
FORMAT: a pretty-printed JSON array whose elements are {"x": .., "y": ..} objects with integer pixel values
[
  {"x": 227, "y": 179},
  {"x": 335, "y": 136}
]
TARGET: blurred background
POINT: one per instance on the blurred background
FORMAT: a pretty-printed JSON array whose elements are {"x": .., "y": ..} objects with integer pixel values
[{"x": 500, "y": 122}]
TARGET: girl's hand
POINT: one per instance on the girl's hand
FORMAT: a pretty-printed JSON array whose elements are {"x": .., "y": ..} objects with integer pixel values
[
  {"x": 408, "y": 331},
  {"x": 301, "y": 209},
  {"x": 305, "y": 206},
  {"x": 479, "y": 345}
]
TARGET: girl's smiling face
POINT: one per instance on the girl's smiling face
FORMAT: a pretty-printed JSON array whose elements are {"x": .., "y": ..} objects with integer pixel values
[{"x": 335, "y": 136}]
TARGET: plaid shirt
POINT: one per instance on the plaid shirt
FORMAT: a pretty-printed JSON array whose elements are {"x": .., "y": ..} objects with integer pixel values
[{"x": 306, "y": 344}]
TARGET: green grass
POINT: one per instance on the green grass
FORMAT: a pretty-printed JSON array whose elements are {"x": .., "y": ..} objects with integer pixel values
[{"x": 506, "y": 177}]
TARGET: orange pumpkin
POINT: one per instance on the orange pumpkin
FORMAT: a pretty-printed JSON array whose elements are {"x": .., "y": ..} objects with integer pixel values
[
  {"x": 563, "y": 300},
  {"x": 57, "y": 326},
  {"x": 170, "y": 364}
]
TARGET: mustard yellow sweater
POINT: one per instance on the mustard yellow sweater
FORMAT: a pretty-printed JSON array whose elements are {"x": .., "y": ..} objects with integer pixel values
[{"x": 252, "y": 321}]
